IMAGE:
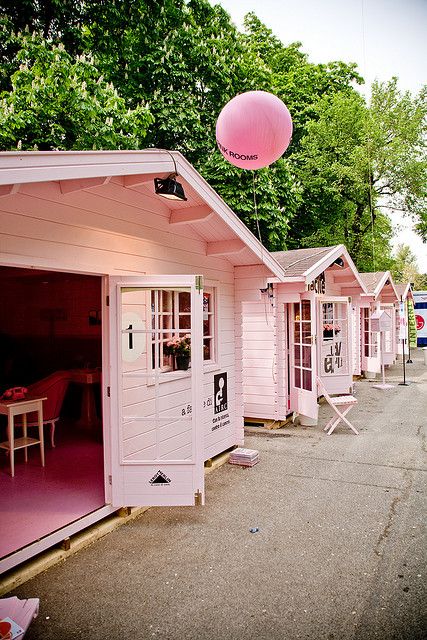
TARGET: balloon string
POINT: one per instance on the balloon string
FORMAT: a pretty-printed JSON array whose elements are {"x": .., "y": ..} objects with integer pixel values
[
  {"x": 368, "y": 145},
  {"x": 255, "y": 206}
]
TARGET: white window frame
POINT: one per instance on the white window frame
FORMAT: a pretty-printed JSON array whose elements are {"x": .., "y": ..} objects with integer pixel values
[
  {"x": 175, "y": 314},
  {"x": 372, "y": 343},
  {"x": 336, "y": 320},
  {"x": 213, "y": 360}
]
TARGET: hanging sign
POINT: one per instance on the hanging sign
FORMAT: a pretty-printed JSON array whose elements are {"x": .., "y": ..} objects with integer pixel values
[{"x": 318, "y": 285}]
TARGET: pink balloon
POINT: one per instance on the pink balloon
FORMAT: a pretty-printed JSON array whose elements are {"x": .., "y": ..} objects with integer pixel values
[{"x": 253, "y": 130}]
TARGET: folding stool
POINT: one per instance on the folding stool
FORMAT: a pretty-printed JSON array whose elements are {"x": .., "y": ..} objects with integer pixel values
[{"x": 341, "y": 405}]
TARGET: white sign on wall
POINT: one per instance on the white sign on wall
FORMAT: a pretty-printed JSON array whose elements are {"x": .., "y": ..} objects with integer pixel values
[
  {"x": 133, "y": 344},
  {"x": 421, "y": 321}
]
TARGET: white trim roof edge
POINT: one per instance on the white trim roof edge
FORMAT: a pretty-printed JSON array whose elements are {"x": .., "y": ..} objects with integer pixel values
[
  {"x": 387, "y": 276},
  {"x": 40, "y": 164},
  {"x": 335, "y": 252}
]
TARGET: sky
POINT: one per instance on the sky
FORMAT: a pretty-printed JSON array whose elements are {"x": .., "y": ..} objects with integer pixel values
[{"x": 384, "y": 37}]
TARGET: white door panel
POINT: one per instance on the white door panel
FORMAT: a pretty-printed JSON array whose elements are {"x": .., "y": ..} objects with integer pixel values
[{"x": 157, "y": 455}]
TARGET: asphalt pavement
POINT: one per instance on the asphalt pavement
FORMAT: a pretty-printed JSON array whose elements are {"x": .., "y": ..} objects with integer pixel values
[{"x": 340, "y": 551}]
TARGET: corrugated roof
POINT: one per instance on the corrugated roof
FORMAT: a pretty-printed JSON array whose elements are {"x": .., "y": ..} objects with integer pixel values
[
  {"x": 297, "y": 261},
  {"x": 372, "y": 280}
]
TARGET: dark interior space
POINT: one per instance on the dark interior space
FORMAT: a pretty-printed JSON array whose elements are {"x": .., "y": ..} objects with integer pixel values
[
  {"x": 50, "y": 322},
  {"x": 50, "y": 343}
]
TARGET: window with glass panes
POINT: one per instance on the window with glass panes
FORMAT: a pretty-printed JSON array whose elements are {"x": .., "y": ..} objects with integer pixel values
[
  {"x": 388, "y": 343},
  {"x": 370, "y": 338},
  {"x": 302, "y": 345},
  {"x": 171, "y": 318},
  {"x": 208, "y": 324},
  {"x": 334, "y": 347}
]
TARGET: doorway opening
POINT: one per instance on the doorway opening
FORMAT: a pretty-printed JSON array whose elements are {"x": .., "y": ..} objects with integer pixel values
[{"x": 50, "y": 331}]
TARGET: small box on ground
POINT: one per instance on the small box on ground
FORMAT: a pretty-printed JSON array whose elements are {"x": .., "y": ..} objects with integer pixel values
[{"x": 244, "y": 457}]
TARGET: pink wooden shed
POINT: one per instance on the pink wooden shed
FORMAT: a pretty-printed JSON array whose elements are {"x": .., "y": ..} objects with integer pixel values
[
  {"x": 99, "y": 273},
  {"x": 381, "y": 296},
  {"x": 299, "y": 327}
]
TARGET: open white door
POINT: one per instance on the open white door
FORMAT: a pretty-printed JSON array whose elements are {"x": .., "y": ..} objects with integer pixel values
[
  {"x": 388, "y": 350},
  {"x": 371, "y": 354},
  {"x": 303, "y": 387},
  {"x": 157, "y": 440},
  {"x": 335, "y": 363}
]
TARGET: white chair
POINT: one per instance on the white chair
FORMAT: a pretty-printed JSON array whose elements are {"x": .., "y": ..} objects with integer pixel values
[{"x": 341, "y": 405}]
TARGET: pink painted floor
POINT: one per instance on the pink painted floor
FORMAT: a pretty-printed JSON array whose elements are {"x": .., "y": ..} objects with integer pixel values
[{"x": 38, "y": 501}]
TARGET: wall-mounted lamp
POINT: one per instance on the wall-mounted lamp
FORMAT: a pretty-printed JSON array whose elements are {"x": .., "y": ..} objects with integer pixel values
[
  {"x": 168, "y": 187},
  {"x": 339, "y": 262},
  {"x": 269, "y": 291}
]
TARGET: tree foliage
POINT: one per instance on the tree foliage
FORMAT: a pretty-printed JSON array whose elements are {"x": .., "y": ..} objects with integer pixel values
[
  {"x": 355, "y": 162},
  {"x": 58, "y": 102},
  {"x": 266, "y": 200},
  {"x": 156, "y": 73},
  {"x": 405, "y": 268}
]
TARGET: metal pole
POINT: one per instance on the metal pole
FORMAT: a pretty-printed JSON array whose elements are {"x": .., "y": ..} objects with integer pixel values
[
  {"x": 382, "y": 342},
  {"x": 404, "y": 383}
]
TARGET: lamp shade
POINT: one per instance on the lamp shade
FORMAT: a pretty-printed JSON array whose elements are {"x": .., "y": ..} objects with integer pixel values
[{"x": 169, "y": 188}]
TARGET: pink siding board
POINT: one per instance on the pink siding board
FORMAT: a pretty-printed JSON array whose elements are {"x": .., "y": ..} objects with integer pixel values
[
  {"x": 259, "y": 359},
  {"x": 63, "y": 234},
  {"x": 119, "y": 219}
]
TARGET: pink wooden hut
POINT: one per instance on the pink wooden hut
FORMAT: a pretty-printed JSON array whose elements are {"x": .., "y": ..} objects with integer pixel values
[
  {"x": 381, "y": 296},
  {"x": 297, "y": 328},
  {"x": 100, "y": 272}
]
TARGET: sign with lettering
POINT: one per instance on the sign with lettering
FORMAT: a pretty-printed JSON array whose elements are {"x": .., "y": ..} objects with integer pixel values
[
  {"x": 333, "y": 359},
  {"x": 318, "y": 285},
  {"x": 220, "y": 393}
]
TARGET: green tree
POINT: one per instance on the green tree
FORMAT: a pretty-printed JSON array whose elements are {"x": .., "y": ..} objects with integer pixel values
[
  {"x": 181, "y": 57},
  {"x": 58, "y": 21},
  {"x": 405, "y": 268},
  {"x": 396, "y": 138},
  {"x": 185, "y": 60},
  {"x": 355, "y": 162},
  {"x": 265, "y": 200},
  {"x": 285, "y": 71},
  {"x": 60, "y": 102}
]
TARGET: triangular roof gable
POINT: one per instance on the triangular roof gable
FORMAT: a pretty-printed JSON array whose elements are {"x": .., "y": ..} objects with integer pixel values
[
  {"x": 307, "y": 264},
  {"x": 88, "y": 168},
  {"x": 404, "y": 291},
  {"x": 375, "y": 282}
]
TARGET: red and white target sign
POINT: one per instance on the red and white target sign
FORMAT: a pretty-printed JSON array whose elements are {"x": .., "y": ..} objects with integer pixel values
[{"x": 420, "y": 322}]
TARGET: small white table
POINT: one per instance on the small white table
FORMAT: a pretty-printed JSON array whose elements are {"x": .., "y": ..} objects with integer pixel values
[
  {"x": 17, "y": 408},
  {"x": 87, "y": 378}
]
